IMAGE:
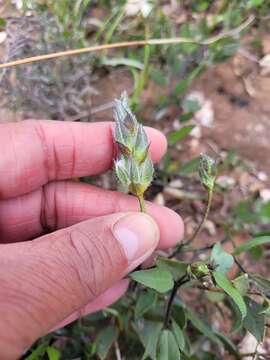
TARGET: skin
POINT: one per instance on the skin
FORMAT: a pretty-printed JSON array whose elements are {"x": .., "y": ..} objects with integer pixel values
[{"x": 58, "y": 258}]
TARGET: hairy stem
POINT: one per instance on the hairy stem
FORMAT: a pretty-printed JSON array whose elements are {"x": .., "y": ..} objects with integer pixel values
[{"x": 142, "y": 203}]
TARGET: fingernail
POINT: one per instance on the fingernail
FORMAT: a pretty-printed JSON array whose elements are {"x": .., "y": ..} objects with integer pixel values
[{"x": 138, "y": 235}]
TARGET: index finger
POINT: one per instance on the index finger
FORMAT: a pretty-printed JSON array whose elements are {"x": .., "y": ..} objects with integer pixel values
[{"x": 36, "y": 152}]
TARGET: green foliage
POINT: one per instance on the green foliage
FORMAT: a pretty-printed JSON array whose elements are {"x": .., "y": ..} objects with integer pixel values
[
  {"x": 230, "y": 290},
  {"x": 181, "y": 134},
  {"x": 248, "y": 245},
  {"x": 221, "y": 260},
  {"x": 158, "y": 279},
  {"x": 167, "y": 346},
  {"x": 254, "y": 321},
  {"x": 105, "y": 339}
]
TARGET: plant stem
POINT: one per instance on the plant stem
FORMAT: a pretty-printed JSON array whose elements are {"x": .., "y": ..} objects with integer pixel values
[
  {"x": 178, "y": 40},
  {"x": 199, "y": 228},
  {"x": 176, "y": 286},
  {"x": 142, "y": 203}
]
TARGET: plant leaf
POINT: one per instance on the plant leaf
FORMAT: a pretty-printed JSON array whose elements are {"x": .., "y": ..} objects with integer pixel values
[
  {"x": 160, "y": 280},
  {"x": 53, "y": 353},
  {"x": 148, "y": 333},
  {"x": 222, "y": 259},
  {"x": 255, "y": 320},
  {"x": 105, "y": 339},
  {"x": 260, "y": 240},
  {"x": 167, "y": 347},
  {"x": 262, "y": 282},
  {"x": 178, "y": 135},
  {"x": 242, "y": 284},
  {"x": 179, "y": 336},
  {"x": 145, "y": 301},
  {"x": 202, "y": 327},
  {"x": 225, "y": 284},
  {"x": 176, "y": 268}
]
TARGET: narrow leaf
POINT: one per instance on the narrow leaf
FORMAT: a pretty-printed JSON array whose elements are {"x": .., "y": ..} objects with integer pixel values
[
  {"x": 225, "y": 284},
  {"x": 160, "y": 280},
  {"x": 260, "y": 240},
  {"x": 178, "y": 135}
]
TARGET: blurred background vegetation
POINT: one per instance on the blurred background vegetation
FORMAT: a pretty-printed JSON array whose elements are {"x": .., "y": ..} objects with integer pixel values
[{"x": 206, "y": 98}]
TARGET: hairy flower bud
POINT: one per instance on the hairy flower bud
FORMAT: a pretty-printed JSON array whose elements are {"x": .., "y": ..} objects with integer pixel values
[
  {"x": 133, "y": 167},
  {"x": 207, "y": 171}
]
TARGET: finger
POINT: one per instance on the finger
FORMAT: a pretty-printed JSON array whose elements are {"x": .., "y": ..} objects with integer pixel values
[
  {"x": 61, "y": 204},
  {"x": 104, "y": 300},
  {"x": 35, "y": 152},
  {"x": 45, "y": 280}
]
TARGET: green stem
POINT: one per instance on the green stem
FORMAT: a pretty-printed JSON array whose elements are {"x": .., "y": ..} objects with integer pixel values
[
  {"x": 142, "y": 203},
  {"x": 199, "y": 228}
]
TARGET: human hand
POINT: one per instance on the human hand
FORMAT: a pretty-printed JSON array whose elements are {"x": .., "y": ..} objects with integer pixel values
[{"x": 94, "y": 237}]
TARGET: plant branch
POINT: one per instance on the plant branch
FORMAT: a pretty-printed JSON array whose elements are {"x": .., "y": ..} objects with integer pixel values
[
  {"x": 176, "y": 286},
  {"x": 167, "y": 41},
  {"x": 199, "y": 228}
]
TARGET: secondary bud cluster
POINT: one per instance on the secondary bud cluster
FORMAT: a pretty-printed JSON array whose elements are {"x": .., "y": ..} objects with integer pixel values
[{"x": 133, "y": 167}]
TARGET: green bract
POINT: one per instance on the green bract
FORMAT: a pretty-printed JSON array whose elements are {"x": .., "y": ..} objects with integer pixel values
[{"x": 133, "y": 167}]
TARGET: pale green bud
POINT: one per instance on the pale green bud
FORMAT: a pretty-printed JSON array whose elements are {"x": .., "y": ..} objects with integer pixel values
[
  {"x": 198, "y": 270},
  {"x": 134, "y": 168},
  {"x": 207, "y": 171},
  {"x": 122, "y": 171}
]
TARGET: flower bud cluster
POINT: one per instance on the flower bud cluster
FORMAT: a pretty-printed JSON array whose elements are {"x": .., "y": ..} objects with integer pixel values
[{"x": 133, "y": 166}]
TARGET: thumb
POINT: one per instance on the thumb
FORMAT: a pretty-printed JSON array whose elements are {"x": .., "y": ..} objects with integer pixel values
[{"x": 45, "y": 280}]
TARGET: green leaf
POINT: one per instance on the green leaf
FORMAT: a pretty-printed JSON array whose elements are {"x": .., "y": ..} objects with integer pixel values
[
  {"x": 105, "y": 339},
  {"x": 255, "y": 320},
  {"x": 222, "y": 259},
  {"x": 202, "y": 327},
  {"x": 260, "y": 240},
  {"x": 185, "y": 117},
  {"x": 231, "y": 291},
  {"x": 179, "y": 335},
  {"x": 237, "y": 318},
  {"x": 262, "y": 282},
  {"x": 177, "y": 268},
  {"x": 167, "y": 347},
  {"x": 145, "y": 302},
  {"x": 242, "y": 284},
  {"x": 53, "y": 353},
  {"x": 160, "y": 280},
  {"x": 148, "y": 333},
  {"x": 38, "y": 352},
  {"x": 178, "y": 135}
]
